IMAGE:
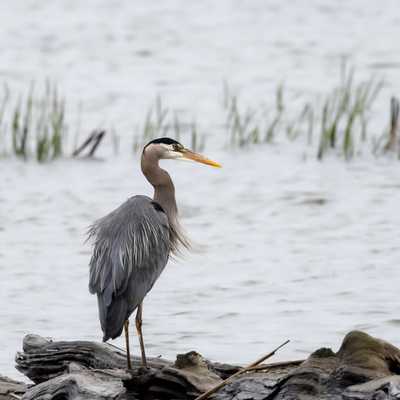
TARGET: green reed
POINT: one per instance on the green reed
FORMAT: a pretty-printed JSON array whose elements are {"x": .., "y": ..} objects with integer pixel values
[
  {"x": 3, "y": 106},
  {"x": 341, "y": 118},
  {"x": 162, "y": 121},
  {"x": 33, "y": 126},
  {"x": 241, "y": 125},
  {"x": 345, "y": 114},
  {"x": 279, "y": 109}
]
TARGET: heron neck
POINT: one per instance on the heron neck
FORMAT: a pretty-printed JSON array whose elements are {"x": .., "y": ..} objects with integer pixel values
[
  {"x": 165, "y": 196},
  {"x": 164, "y": 190}
]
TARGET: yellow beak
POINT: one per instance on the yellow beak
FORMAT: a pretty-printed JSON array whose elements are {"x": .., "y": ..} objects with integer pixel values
[{"x": 190, "y": 155}]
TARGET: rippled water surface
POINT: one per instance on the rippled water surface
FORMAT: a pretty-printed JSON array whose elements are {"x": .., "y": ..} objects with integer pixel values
[{"x": 286, "y": 247}]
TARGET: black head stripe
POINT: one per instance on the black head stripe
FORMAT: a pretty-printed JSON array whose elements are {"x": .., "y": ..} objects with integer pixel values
[{"x": 164, "y": 140}]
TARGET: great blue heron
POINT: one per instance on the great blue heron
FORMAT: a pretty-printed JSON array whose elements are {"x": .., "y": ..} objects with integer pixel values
[{"x": 132, "y": 244}]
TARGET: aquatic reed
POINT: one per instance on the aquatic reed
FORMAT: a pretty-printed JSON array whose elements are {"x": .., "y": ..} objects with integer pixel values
[
  {"x": 3, "y": 106},
  {"x": 344, "y": 108},
  {"x": 33, "y": 125},
  {"x": 393, "y": 144},
  {"x": 36, "y": 123},
  {"x": 342, "y": 118},
  {"x": 161, "y": 121},
  {"x": 244, "y": 126}
]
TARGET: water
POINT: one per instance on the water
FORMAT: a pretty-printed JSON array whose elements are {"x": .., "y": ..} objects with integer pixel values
[{"x": 288, "y": 247}]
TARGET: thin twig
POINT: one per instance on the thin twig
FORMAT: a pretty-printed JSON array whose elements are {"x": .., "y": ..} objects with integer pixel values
[
  {"x": 279, "y": 364},
  {"x": 248, "y": 368},
  {"x": 97, "y": 139},
  {"x": 85, "y": 144},
  {"x": 94, "y": 139}
]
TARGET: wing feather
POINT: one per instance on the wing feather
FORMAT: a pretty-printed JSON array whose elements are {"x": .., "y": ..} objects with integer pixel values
[{"x": 131, "y": 248}]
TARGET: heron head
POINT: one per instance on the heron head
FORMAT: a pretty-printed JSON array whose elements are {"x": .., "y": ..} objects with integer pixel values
[{"x": 167, "y": 148}]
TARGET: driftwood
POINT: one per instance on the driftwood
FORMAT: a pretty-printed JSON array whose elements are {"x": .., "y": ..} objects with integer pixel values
[
  {"x": 241, "y": 371},
  {"x": 10, "y": 389},
  {"x": 80, "y": 369},
  {"x": 363, "y": 368}
]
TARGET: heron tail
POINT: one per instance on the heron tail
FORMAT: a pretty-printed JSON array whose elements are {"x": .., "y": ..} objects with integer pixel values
[{"x": 112, "y": 316}]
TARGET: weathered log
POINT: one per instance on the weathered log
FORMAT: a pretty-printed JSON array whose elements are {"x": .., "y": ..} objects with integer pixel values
[
  {"x": 99, "y": 365},
  {"x": 42, "y": 359},
  {"x": 10, "y": 389},
  {"x": 187, "y": 378},
  {"x": 363, "y": 368},
  {"x": 81, "y": 383}
]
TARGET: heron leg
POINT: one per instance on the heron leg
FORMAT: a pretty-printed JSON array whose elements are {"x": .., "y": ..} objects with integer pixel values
[
  {"x": 140, "y": 334},
  {"x": 128, "y": 353}
]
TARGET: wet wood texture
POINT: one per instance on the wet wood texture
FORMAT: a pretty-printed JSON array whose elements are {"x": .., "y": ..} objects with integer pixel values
[{"x": 363, "y": 368}]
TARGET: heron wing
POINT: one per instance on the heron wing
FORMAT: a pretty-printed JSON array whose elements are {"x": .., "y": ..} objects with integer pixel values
[{"x": 131, "y": 248}]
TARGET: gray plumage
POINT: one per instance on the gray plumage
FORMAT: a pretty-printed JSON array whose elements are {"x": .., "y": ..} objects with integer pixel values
[
  {"x": 131, "y": 249},
  {"x": 132, "y": 244}
]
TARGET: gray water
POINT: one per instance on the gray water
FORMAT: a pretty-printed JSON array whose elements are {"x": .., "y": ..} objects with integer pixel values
[{"x": 286, "y": 247}]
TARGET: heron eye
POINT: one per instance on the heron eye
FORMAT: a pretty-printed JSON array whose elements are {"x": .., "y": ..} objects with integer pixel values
[{"x": 177, "y": 147}]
